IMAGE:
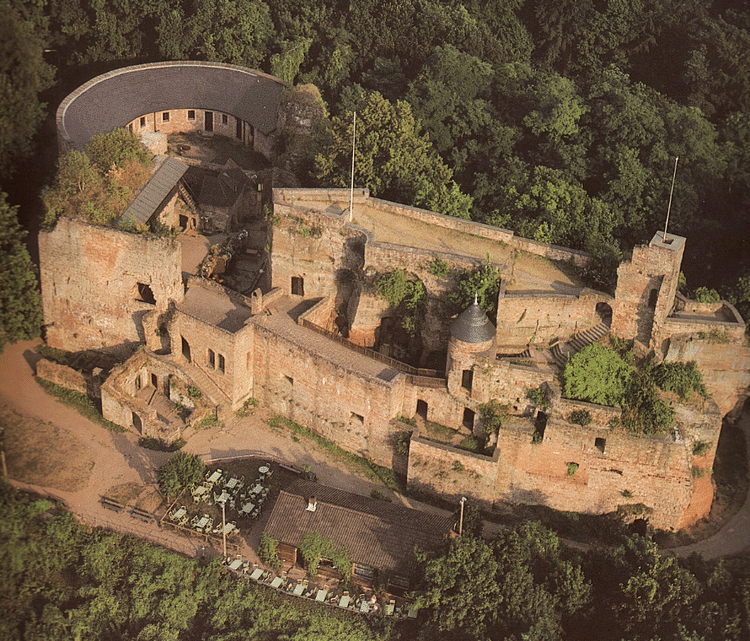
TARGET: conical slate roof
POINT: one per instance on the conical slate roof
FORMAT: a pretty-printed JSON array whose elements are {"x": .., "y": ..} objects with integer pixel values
[{"x": 473, "y": 326}]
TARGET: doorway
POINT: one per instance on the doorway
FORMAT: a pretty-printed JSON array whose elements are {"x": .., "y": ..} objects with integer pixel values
[
  {"x": 422, "y": 409},
  {"x": 209, "y": 121},
  {"x": 239, "y": 128}
]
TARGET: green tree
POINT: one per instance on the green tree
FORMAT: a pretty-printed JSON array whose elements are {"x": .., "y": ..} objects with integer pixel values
[
  {"x": 596, "y": 374},
  {"x": 407, "y": 297},
  {"x": 23, "y": 75},
  {"x": 183, "y": 471},
  {"x": 393, "y": 158},
  {"x": 20, "y": 301},
  {"x": 482, "y": 281}
]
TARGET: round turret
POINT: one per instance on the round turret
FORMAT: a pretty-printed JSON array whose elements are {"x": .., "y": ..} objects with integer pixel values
[
  {"x": 473, "y": 326},
  {"x": 472, "y": 335}
]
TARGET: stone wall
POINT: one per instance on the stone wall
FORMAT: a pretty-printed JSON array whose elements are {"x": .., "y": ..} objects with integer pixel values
[
  {"x": 539, "y": 318},
  {"x": 343, "y": 405},
  {"x": 507, "y": 382},
  {"x": 553, "y": 252},
  {"x": 80, "y": 263},
  {"x": 61, "y": 375},
  {"x": 452, "y": 472},
  {"x": 310, "y": 246},
  {"x": 725, "y": 367}
]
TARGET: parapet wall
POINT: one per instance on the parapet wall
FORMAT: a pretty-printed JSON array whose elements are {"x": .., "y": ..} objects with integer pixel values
[{"x": 538, "y": 318}]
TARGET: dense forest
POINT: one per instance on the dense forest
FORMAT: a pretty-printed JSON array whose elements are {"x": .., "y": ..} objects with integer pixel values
[
  {"x": 560, "y": 120},
  {"x": 59, "y": 580}
]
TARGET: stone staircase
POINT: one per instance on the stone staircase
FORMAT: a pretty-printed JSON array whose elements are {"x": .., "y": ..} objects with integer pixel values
[
  {"x": 561, "y": 352},
  {"x": 188, "y": 198}
]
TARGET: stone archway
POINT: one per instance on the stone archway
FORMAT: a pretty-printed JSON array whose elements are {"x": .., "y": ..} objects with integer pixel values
[{"x": 604, "y": 311}]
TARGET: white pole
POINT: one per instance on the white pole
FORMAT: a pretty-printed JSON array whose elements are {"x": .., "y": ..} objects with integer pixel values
[
  {"x": 671, "y": 191},
  {"x": 351, "y": 188},
  {"x": 461, "y": 520},
  {"x": 224, "y": 527}
]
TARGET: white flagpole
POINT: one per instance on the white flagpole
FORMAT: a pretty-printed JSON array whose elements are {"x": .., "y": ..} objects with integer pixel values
[
  {"x": 351, "y": 188},
  {"x": 671, "y": 191}
]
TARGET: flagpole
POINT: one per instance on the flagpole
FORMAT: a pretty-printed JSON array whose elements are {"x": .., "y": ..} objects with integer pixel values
[
  {"x": 351, "y": 188},
  {"x": 671, "y": 191}
]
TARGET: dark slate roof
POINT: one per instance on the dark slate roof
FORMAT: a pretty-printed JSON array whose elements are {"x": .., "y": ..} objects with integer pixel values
[
  {"x": 224, "y": 190},
  {"x": 115, "y": 98},
  {"x": 377, "y": 533},
  {"x": 473, "y": 326},
  {"x": 157, "y": 189}
]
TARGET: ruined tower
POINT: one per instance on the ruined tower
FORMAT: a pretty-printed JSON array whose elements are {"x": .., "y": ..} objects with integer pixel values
[{"x": 646, "y": 288}]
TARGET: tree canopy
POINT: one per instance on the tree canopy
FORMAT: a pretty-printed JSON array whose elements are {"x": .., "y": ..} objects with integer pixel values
[{"x": 20, "y": 301}]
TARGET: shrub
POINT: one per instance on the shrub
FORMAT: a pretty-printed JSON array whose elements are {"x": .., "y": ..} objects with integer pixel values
[
  {"x": 482, "y": 281},
  {"x": 438, "y": 267},
  {"x": 402, "y": 444},
  {"x": 247, "y": 408},
  {"x": 380, "y": 496},
  {"x": 407, "y": 297},
  {"x": 580, "y": 417},
  {"x": 596, "y": 374},
  {"x": 681, "y": 378},
  {"x": 458, "y": 466},
  {"x": 267, "y": 551},
  {"x": 572, "y": 468},
  {"x": 492, "y": 415},
  {"x": 706, "y": 295},
  {"x": 538, "y": 396},
  {"x": 194, "y": 392},
  {"x": 700, "y": 448},
  {"x": 314, "y": 546},
  {"x": 183, "y": 471}
]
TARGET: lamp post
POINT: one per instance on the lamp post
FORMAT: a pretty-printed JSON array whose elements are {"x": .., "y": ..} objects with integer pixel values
[
  {"x": 224, "y": 527},
  {"x": 461, "y": 520}
]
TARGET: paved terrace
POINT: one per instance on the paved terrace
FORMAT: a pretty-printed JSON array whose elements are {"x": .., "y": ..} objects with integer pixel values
[{"x": 526, "y": 272}]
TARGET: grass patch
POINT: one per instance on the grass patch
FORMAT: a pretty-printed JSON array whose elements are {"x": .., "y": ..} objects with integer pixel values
[
  {"x": 158, "y": 445},
  {"x": 209, "y": 420},
  {"x": 53, "y": 354},
  {"x": 472, "y": 444},
  {"x": 438, "y": 432},
  {"x": 79, "y": 402},
  {"x": 361, "y": 465}
]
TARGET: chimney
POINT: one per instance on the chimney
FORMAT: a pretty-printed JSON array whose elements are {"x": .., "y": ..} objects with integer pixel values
[{"x": 312, "y": 504}]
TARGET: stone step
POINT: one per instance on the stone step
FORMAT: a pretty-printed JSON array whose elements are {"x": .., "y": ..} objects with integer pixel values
[{"x": 577, "y": 343}]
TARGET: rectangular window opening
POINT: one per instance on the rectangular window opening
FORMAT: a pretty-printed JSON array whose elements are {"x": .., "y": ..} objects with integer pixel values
[
  {"x": 165, "y": 116},
  {"x": 186, "y": 349},
  {"x": 224, "y": 119},
  {"x": 222, "y": 364},
  {"x": 468, "y": 419},
  {"x": 298, "y": 286},
  {"x": 143, "y": 121},
  {"x": 601, "y": 444},
  {"x": 211, "y": 359},
  {"x": 191, "y": 114},
  {"x": 467, "y": 378},
  {"x": 422, "y": 409}
]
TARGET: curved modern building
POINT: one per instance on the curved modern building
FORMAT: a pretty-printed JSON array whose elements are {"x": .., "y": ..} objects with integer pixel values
[{"x": 172, "y": 97}]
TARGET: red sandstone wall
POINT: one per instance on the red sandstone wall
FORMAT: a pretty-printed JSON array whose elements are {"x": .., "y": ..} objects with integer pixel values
[
  {"x": 89, "y": 276},
  {"x": 539, "y": 318},
  {"x": 312, "y": 391}
]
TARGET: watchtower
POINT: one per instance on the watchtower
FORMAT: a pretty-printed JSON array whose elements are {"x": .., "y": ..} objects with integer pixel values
[{"x": 646, "y": 288}]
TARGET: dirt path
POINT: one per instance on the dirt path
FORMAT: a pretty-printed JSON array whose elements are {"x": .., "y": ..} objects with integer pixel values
[{"x": 116, "y": 460}]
